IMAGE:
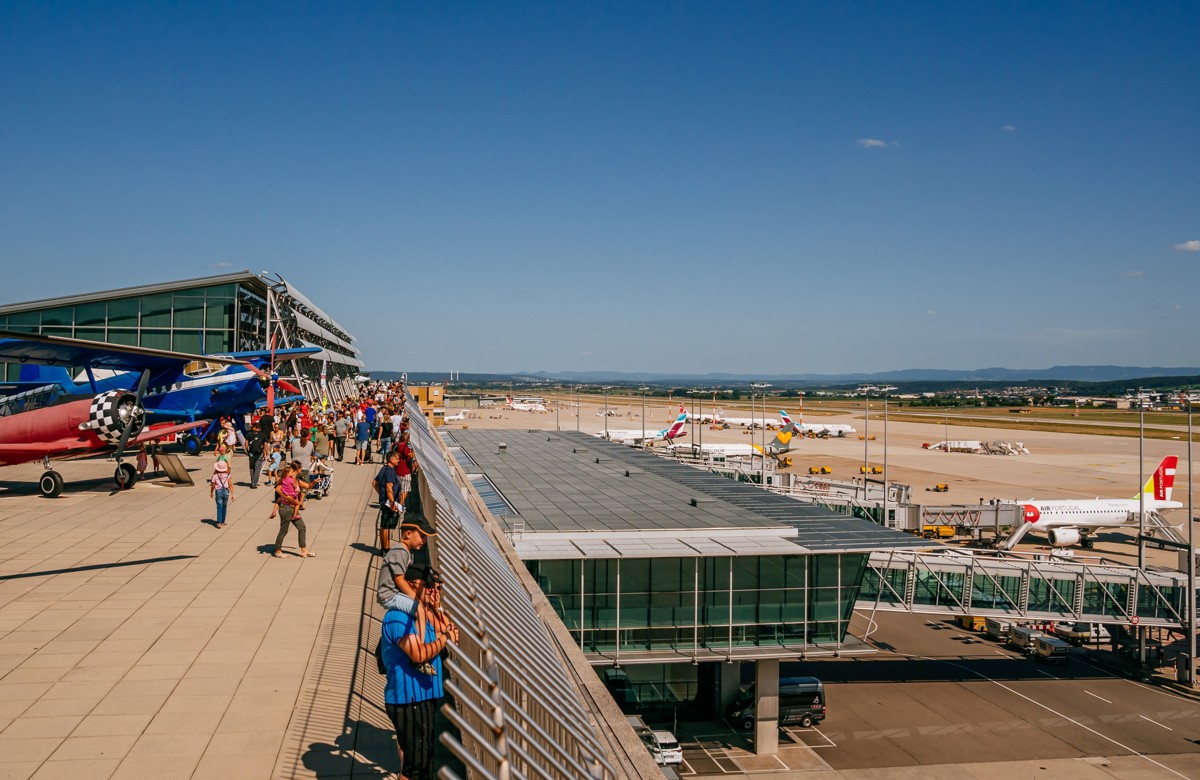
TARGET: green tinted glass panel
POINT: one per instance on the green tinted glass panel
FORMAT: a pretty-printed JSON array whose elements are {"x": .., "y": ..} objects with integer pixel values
[
  {"x": 219, "y": 314},
  {"x": 91, "y": 315},
  {"x": 123, "y": 313},
  {"x": 25, "y": 321},
  {"x": 127, "y": 336},
  {"x": 217, "y": 341},
  {"x": 61, "y": 316},
  {"x": 90, "y": 334},
  {"x": 189, "y": 311},
  {"x": 156, "y": 311},
  {"x": 156, "y": 339},
  {"x": 186, "y": 341}
]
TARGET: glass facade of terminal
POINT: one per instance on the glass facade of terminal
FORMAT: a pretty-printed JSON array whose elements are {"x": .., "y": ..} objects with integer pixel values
[
  {"x": 198, "y": 320},
  {"x": 219, "y": 317},
  {"x": 646, "y": 604}
]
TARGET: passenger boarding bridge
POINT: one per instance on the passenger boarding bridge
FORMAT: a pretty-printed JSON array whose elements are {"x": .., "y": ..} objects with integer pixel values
[{"x": 951, "y": 583}]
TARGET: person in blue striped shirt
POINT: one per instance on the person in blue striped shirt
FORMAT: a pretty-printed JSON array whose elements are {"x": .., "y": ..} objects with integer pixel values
[{"x": 412, "y": 654}]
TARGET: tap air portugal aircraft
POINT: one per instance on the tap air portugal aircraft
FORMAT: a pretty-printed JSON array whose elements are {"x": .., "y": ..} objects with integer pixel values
[
  {"x": 638, "y": 437},
  {"x": 781, "y": 444},
  {"x": 1069, "y": 521}
]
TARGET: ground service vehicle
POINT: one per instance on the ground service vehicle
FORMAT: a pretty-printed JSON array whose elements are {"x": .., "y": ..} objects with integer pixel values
[
  {"x": 1074, "y": 633},
  {"x": 937, "y": 531},
  {"x": 872, "y": 470},
  {"x": 1023, "y": 637},
  {"x": 801, "y": 701},
  {"x": 1049, "y": 650},
  {"x": 819, "y": 470},
  {"x": 664, "y": 748},
  {"x": 972, "y": 622},
  {"x": 997, "y": 628}
]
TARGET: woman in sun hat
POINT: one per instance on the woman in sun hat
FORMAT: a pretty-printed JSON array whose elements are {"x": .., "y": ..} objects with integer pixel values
[{"x": 220, "y": 487}]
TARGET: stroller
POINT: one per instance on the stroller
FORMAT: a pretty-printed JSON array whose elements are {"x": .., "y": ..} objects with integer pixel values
[{"x": 320, "y": 479}]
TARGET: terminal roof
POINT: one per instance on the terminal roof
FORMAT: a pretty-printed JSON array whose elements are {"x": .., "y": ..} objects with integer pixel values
[{"x": 580, "y": 496}]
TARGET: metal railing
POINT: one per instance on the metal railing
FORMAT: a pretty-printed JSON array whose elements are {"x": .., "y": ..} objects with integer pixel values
[{"x": 517, "y": 713}]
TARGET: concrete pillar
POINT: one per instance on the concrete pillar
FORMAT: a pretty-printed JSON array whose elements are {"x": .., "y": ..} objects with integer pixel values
[
  {"x": 766, "y": 707},
  {"x": 731, "y": 684}
]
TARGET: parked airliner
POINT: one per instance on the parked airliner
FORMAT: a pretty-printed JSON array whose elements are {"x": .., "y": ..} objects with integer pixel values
[
  {"x": 1067, "y": 522},
  {"x": 639, "y": 437}
]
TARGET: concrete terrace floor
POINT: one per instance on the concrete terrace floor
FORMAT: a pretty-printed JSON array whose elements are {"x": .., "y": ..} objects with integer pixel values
[{"x": 137, "y": 640}]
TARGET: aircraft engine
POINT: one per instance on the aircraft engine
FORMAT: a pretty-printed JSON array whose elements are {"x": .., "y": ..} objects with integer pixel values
[
  {"x": 111, "y": 412},
  {"x": 1064, "y": 537}
]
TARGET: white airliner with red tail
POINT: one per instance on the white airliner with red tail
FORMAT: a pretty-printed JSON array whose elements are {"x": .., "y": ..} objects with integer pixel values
[
  {"x": 1068, "y": 522},
  {"x": 643, "y": 437}
]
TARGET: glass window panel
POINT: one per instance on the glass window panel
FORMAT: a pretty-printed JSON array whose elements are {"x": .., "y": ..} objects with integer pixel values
[
  {"x": 26, "y": 322},
  {"x": 189, "y": 311},
  {"x": 745, "y": 572},
  {"x": 60, "y": 332},
  {"x": 63, "y": 315},
  {"x": 219, "y": 314},
  {"x": 825, "y": 571},
  {"x": 635, "y": 610},
  {"x": 635, "y": 575},
  {"x": 773, "y": 571},
  {"x": 156, "y": 339},
  {"x": 186, "y": 341},
  {"x": 216, "y": 341},
  {"x": 127, "y": 336},
  {"x": 156, "y": 311},
  {"x": 91, "y": 314},
  {"x": 90, "y": 334},
  {"x": 123, "y": 313}
]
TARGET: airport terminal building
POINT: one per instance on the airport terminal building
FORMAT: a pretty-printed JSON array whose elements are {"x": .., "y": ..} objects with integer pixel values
[
  {"x": 232, "y": 312},
  {"x": 679, "y": 585}
]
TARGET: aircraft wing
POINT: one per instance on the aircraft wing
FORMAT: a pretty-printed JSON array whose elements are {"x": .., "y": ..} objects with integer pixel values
[
  {"x": 56, "y": 351},
  {"x": 152, "y": 434}
]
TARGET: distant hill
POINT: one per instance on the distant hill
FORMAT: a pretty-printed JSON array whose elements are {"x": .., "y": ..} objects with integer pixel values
[{"x": 1016, "y": 375}]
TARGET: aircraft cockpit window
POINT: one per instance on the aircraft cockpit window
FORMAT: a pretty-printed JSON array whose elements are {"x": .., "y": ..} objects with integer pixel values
[{"x": 202, "y": 368}]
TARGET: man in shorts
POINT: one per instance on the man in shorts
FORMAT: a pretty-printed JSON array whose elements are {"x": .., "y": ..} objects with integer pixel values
[
  {"x": 412, "y": 647},
  {"x": 387, "y": 486}
]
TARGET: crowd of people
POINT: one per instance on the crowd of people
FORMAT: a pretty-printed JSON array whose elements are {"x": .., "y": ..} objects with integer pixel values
[{"x": 293, "y": 451}]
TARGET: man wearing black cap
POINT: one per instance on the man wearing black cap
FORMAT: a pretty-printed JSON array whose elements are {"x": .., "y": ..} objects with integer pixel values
[
  {"x": 412, "y": 648},
  {"x": 394, "y": 592}
]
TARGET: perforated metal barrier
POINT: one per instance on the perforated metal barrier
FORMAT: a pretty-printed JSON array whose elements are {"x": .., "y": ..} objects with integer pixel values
[{"x": 517, "y": 711}]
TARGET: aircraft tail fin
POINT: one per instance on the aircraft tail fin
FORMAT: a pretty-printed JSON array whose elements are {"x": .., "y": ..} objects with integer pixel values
[
  {"x": 676, "y": 426},
  {"x": 46, "y": 375},
  {"x": 1162, "y": 482},
  {"x": 783, "y": 440}
]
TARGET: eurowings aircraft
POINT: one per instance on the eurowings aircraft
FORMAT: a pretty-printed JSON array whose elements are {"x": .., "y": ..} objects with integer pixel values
[
  {"x": 639, "y": 437},
  {"x": 777, "y": 447},
  {"x": 1067, "y": 522},
  {"x": 522, "y": 406},
  {"x": 204, "y": 387},
  {"x": 717, "y": 418}
]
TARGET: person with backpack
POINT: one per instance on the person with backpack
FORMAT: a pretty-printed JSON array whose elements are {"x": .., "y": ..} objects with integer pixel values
[{"x": 220, "y": 487}]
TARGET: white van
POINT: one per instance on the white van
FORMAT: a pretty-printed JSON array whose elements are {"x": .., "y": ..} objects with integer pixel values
[{"x": 664, "y": 748}]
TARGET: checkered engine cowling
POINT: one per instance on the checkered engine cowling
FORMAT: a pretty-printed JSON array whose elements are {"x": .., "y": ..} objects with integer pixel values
[{"x": 110, "y": 414}]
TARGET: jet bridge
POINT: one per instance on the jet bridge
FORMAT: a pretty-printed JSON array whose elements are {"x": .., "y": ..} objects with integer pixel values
[{"x": 1022, "y": 588}]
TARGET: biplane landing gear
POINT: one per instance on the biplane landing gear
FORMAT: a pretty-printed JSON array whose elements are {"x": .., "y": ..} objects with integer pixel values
[
  {"x": 51, "y": 484},
  {"x": 125, "y": 476}
]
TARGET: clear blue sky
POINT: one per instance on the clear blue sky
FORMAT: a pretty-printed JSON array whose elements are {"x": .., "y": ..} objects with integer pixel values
[{"x": 744, "y": 187}]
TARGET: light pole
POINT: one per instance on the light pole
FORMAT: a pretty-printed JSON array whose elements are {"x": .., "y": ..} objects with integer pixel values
[
  {"x": 866, "y": 440},
  {"x": 557, "y": 407},
  {"x": 1141, "y": 482},
  {"x": 1191, "y": 571},
  {"x": 761, "y": 386},
  {"x": 643, "y": 388},
  {"x": 606, "y": 411},
  {"x": 577, "y": 408}
]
